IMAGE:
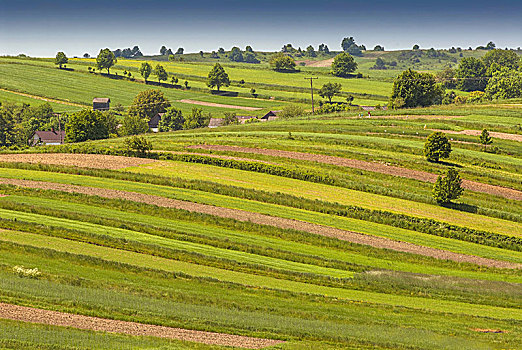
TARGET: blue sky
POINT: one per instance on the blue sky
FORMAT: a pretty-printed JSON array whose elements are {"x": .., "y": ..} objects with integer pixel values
[{"x": 41, "y": 28}]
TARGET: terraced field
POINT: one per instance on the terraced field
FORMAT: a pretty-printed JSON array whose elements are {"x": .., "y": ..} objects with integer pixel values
[{"x": 294, "y": 234}]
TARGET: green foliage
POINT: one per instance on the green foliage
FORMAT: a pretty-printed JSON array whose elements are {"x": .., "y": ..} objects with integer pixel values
[
  {"x": 138, "y": 145},
  {"x": 310, "y": 52},
  {"x": 292, "y": 111},
  {"x": 414, "y": 89},
  {"x": 89, "y": 125},
  {"x": 476, "y": 96},
  {"x": 378, "y": 48},
  {"x": 504, "y": 58},
  {"x": 250, "y": 57},
  {"x": 348, "y": 44},
  {"x": 470, "y": 75},
  {"x": 485, "y": 139},
  {"x": 148, "y": 103},
  {"x": 145, "y": 70},
  {"x": 235, "y": 55},
  {"x": 329, "y": 90},
  {"x": 343, "y": 65},
  {"x": 7, "y": 123},
  {"x": 437, "y": 146},
  {"x": 160, "y": 73},
  {"x": 172, "y": 120},
  {"x": 196, "y": 119},
  {"x": 327, "y": 108},
  {"x": 505, "y": 83},
  {"x": 281, "y": 62},
  {"x": 230, "y": 118},
  {"x": 447, "y": 78},
  {"x": 105, "y": 60},
  {"x": 448, "y": 187},
  {"x": 217, "y": 77},
  {"x": 60, "y": 59},
  {"x": 133, "y": 124}
]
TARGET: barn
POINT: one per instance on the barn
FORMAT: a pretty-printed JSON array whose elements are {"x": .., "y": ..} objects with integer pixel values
[
  {"x": 154, "y": 122},
  {"x": 101, "y": 104},
  {"x": 48, "y": 138}
]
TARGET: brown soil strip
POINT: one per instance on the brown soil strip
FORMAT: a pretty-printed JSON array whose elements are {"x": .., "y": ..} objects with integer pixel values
[
  {"x": 369, "y": 166},
  {"x": 55, "y": 318},
  {"x": 210, "y": 104},
  {"x": 489, "y": 330},
  {"x": 44, "y": 98},
  {"x": 322, "y": 63},
  {"x": 498, "y": 135},
  {"x": 97, "y": 161},
  {"x": 374, "y": 241}
]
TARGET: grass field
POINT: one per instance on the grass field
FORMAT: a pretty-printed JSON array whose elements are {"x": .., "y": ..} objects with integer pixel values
[{"x": 261, "y": 244}]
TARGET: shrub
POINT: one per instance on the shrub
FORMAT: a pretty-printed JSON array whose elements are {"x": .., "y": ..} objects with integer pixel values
[
  {"x": 448, "y": 187},
  {"x": 437, "y": 146},
  {"x": 23, "y": 272},
  {"x": 138, "y": 145},
  {"x": 292, "y": 111}
]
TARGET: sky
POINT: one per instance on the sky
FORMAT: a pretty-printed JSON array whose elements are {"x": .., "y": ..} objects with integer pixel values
[{"x": 41, "y": 28}]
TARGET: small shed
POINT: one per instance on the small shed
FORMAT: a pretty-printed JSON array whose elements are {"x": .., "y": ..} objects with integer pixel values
[
  {"x": 101, "y": 104},
  {"x": 154, "y": 122},
  {"x": 215, "y": 122},
  {"x": 269, "y": 116},
  {"x": 48, "y": 137}
]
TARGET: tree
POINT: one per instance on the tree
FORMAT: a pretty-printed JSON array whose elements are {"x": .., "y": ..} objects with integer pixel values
[
  {"x": 343, "y": 64},
  {"x": 249, "y": 49},
  {"x": 291, "y": 111},
  {"x": 235, "y": 55},
  {"x": 145, "y": 70},
  {"x": 415, "y": 47},
  {"x": 180, "y": 51},
  {"x": 172, "y": 120},
  {"x": 138, "y": 145},
  {"x": 88, "y": 125},
  {"x": 230, "y": 119},
  {"x": 7, "y": 126},
  {"x": 86, "y": 55},
  {"x": 378, "y": 48},
  {"x": 447, "y": 187},
  {"x": 133, "y": 124},
  {"x": 250, "y": 57},
  {"x": 221, "y": 51},
  {"x": 446, "y": 78},
  {"x": 485, "y": 139},
  {"x": 437, "y": 146},
  {"x": 217, "y": 77},
  {"x": 160, "y": 73},
  {"x": 347, "y": 43},
  {"x": 324, "y": 48},
  {"x": 281, "y": 62},
  {"x": 504, "y": 58},
  {"x": 310, "y": 52},
  {"x": 196, "y": 119},
  {"x": 379, "y": 64},
  {"x": 505, "y": 83},
  {"x": 60, "y": 59},
  {"x": 470, "y": 75},
  {"x": 491, "y": 46},
  {"x": 416, "y": 89},
  {"x": 148, "y": 103},
  {"x": 163, "y": 50},
  {"x": 105, "y": 60},
  {"x": 329, "y": 90}
]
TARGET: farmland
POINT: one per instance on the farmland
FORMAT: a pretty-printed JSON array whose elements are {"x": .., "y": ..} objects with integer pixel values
[{"x": 306, "y": 232}]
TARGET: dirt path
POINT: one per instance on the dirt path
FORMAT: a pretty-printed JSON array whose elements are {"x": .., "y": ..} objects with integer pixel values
[
  {"x": 370, "y": 166},
  {"x": 55, "y": 318},
  {"x": 44, "y": 98},
  {"x": 498, "y": 135},
  {"x": 97, "y": 161},
  {"x": 210, "y": 104},
  {"x": 322, "y": 63},
  {"x": 374, "y": 241}
]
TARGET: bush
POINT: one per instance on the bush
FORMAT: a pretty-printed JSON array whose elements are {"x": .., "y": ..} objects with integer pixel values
[
  {"x": 448, "y": 187},
  {"x": 437, "y": 146},
  {"x": 292, "y": 111},
  {"x": 137, "y": 145},
  {"x": 23, "y": 272}
]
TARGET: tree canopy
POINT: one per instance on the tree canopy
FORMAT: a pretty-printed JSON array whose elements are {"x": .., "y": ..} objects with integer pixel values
[
  {"x": 412, "y": 89},
  {"x": 329, "y": 90},
  {"x": 160, "y": 73},
  {"x": 343, "y": 64},
  {"x": 235, "y": 55},
  {"x": 447, "y": 187},
  {"x": 471, "y": 74},
  {"x": 148, "y": 103},
  {"x": 196, "y": 119},
  {"x": 172, "y": 120},
  {"x": 217, "y": 77},
  {"x": 60, "y": 59},
  {"x": 485, "y": 139},
  {"x": 145, "y": 70},
  {"x": 282, "y": 62},
  {"x": 505, "y": 83},
  {"x": 89, "y": 125},
  {"x": 504, "y": 58},
  {"x": 105, "y": 60},
  {"x": 437, "y": 146}
]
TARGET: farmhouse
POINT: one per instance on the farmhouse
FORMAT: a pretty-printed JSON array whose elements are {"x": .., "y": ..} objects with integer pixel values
[
  {"x": 272, "y": 115},
  {"x": 48, "y": 138},
  {"x": 101, "y": 104},
  {"x": 154, "y": 122},
  {"x": 215, "y": 122}
]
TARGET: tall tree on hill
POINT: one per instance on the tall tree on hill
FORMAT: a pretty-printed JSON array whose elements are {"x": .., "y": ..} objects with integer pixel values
[
  {"x": 145, "y": 70},
  {"x": 235, "y": 54},
  {"x": 329, "y": 90},
  {"x": 218, "y": 77},
  {"x": 310, "y": 52},
  {"x": 470, "y": 75},
  {"x": 160, "y": 73},
  {"x": 415, "y": 89},
  {"x": 180, "y": 51},
  {"x": 282, "y": 63},
  {"x": 504, "y": 58},
  {"x": 148, "y": 103},
  {"x": 105, "y": 60},
  {"x": 437, "y": 146},
  {"x": 163, "y": 50},
  {"x": 343, "y": 64},
  {"x": 60, "y": 59}
]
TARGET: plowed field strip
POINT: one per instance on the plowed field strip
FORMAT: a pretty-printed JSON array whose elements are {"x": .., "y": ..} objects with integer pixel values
[
  {"x": 378, "y": 242},
  {"x": 369, "y": 166},
  {"x": 27, "y": 314},
  {"x": 498, "y": 135}
]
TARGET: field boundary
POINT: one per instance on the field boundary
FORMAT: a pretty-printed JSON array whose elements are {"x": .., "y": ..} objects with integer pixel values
[{"x": 46, "y": 99}]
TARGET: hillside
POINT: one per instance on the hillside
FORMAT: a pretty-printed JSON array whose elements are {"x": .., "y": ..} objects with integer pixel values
[{"x": 312, "y": 232}]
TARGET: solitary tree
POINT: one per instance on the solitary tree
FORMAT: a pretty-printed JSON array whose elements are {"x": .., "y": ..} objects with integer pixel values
[
  {"x": 88, "y": 125},
  {"x": 217, "y": 77},
  {"x": 282, "y": 62},
  {"x": 163, "y": 50},
  {"x": 180, "y": 51},
  {"x": 235, "y": 54},
  {"x": 329, "y": 90},
  {"x": 343, "y": 64},
  {"x": 447, "y": 187},
  {"x": 105, "y": 60},
  {"x": 160, "y": 73},
  {"x": 148, "y": 103},
  {"x": 485, "y": 139},
  {"x": 437, "y": 146},
  {"x": 414, "y": 89},
  {"x": 60, "y": 59},
  {"x": 145, "y": 70}
]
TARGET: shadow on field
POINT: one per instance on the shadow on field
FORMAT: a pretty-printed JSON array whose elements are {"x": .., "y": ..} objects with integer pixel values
[{"x": 462, "y": 207}]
